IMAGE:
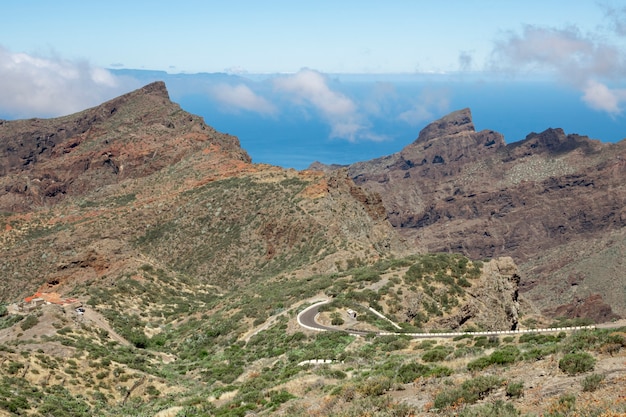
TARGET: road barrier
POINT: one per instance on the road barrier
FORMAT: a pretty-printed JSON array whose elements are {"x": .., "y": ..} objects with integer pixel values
[{"x": 435, "y": 334}]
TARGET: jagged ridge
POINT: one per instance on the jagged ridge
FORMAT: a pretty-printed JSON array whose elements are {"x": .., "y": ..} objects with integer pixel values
[
  {"x": 130, "y": 136},
  {"x": 458, "y": 190}
]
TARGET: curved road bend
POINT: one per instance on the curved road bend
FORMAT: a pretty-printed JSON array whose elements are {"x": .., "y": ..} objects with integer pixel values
[{"x": 306, "y": 319}]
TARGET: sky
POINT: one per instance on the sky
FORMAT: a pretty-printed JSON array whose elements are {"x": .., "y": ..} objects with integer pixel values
[
  {"x": 58, "y": 57},
  {"x": 284, "y": 36}
]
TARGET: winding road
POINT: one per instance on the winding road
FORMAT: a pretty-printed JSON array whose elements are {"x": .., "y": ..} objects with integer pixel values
[{"x": 307, "y": 319}]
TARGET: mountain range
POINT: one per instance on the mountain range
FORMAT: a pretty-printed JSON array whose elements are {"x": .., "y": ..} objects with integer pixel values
[
  {"x": 553, "y": 202},
  {"x": 150, "y": 268}
]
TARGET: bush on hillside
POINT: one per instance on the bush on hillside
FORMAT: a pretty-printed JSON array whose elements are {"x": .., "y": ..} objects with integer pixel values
[
  {"x": 592, "y": 382},
  {"x": 577, "y": 363}
]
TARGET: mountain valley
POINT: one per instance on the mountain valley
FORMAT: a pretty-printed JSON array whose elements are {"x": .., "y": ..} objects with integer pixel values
[{"x": 150, "y": 268}]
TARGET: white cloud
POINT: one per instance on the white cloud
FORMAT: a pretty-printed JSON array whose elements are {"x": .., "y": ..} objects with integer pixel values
[
  {"x": 241, "y": 97},
  {"x": 44, "y": 87},
  {"x": 310, "y": 88},
  {"x": 430, "y": 105},
  {"x": 585, "y": 61},
  {"x": 617, "y": 19},
  {"x": 599, "y": 97},
  {"x": 382, "y": 100}
]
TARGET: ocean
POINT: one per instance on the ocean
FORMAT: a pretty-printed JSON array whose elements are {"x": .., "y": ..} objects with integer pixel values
[
  {"x": 295, "y": 139},
  {"x": 376, "y": 115}
]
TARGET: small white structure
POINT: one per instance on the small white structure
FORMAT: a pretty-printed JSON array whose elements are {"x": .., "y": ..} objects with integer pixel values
[
  {"x": 28, "y": 306},
  {"x": 351, "y": 313}
]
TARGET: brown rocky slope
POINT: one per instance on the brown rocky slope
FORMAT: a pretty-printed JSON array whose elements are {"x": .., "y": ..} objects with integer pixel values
[
  {"x": 91, "y": 197},
  {"x": 191, "y": 264},
  {"x": 132, "y": 136},
  {"x": 553, "y": 202}
]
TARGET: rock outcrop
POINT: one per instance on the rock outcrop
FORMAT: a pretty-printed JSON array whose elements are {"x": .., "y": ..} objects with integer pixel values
[
  {"x": 458, "y": 190},
  {"x": 493, "y": 302}
]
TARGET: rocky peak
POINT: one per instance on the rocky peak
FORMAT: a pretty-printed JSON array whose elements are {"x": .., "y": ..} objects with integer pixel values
[
  {"x": 319, "y": 166},
  {"x": 130, "y": 136},
  {"x": 449, "y": 140},
  {"x": 541, "y": 201},
  {"x": 552, "y": 142},
  {"x": 452, "y": 124},
  {"x": 157, "y": 89}
]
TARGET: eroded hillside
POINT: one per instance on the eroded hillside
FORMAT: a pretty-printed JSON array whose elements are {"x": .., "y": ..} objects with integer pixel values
[
  {"x": 165, "y": 274},
  {"x": 553, "y": 202}
]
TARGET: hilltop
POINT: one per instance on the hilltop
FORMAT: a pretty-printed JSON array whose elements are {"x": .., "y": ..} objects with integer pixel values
[{"x": 130, "y": 137}]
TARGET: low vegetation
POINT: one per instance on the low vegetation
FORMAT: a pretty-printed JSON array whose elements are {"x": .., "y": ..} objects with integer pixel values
[
  {"x": 221, "y": 368},
  {"x": 192, "y": 265}
]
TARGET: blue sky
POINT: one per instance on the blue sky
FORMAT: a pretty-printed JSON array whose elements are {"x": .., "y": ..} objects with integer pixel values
[
  {"x": 285, "y": 36},
  {"x": 59, "y": 57}
]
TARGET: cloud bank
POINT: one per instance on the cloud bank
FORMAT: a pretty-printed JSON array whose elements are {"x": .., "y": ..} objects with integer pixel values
[
  {"x": 241, "y": 97},
  {"x": 431, "y": 103},
  {"x": 617, "y": 19},
  {"x": 46, "y": 87},
  {"x": 310, "y": 88},
  {"x": 587, "y": 62}
]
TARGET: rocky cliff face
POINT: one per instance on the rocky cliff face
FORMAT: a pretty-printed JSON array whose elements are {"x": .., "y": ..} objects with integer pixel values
[
  {"x": 410, "y": 180},
  {"x": 459, "y": 295},
  {"x": 44, "y": 160},
  {"x": 537, "y": 200},
  {"x": 494, "y": 299},
  {"x": 137, "y": 181}
]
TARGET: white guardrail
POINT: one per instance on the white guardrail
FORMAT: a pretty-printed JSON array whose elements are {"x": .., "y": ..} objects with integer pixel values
[
  {"x": 307, "y": 309},
  {"x": 449, "y": 334}
]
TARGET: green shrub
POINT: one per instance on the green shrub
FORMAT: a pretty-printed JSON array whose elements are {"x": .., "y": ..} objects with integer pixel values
[
  {"x": 469, "y": 392},
  {"x": 515, "y": 390},
  {"x": 366, "y": 274},
  {"x": 440, "y": 371},
  {"x": 331, "y": 373},
  {"x": 505, "y": 355},
  {"x": 479, "y": 364},
  {"x": 411, "y": 371},
  {"x": 102, "y": 374},
  {"x": 391, "y": 342},
  {"x": 138, "y": 339},
  {"x": 29, "y": 322},
  {"x": 592, "y": 382},
  {"x": 14, "y": 367},
  {"x": 437, "y": 354},
  {"x": 447, "y": 398},
  {"x": 537, "y": 339},
  {"x": 577, "y": 363},
  {"x": 374, "y": 386},
  {"x": 484, "y": 341},
  {"x": 277, "y": 398},
  {"x": 538, "y": 353},
  {"x": 336, "y": 319}
]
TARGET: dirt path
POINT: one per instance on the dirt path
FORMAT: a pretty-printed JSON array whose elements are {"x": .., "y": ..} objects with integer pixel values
[{"x": 93, "y": 317}]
